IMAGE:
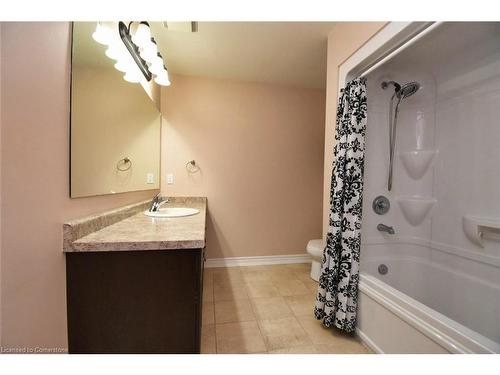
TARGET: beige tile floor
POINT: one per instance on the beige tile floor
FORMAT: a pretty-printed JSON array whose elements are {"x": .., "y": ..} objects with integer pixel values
[{"x": 267, "y": 309}]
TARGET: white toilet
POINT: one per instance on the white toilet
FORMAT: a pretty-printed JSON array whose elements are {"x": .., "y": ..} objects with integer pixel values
[{"x": 315, "y": 249}]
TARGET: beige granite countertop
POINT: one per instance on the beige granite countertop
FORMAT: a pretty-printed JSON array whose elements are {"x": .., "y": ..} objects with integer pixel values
[{"x": 128, "y": 229}]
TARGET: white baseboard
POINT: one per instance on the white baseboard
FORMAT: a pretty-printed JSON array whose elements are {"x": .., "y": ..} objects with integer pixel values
[
  {"x": 257, "y": 261},
  {"x": 369, "y": 342}
]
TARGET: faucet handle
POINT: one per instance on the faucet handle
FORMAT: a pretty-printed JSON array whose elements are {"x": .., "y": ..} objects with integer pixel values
[
  {"x": 154, "y": 202},
  {"x": 157, "y": 201}
]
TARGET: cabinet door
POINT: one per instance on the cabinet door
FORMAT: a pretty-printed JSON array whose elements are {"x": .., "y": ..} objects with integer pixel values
[{"x": 134, "y": 301}]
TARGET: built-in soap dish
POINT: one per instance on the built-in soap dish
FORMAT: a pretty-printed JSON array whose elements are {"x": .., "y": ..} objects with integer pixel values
[
  {"x": 417, "y": 162},
  {"x": 415, "y": 208},
  {"x": 476, "y": 228}
]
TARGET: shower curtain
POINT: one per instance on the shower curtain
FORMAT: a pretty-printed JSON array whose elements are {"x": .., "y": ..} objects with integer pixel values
[{"x": 336, "y": 302}]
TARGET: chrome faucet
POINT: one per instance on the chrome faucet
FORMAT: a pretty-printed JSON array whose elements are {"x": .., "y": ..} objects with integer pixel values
[
  {"x": 157, "y": 201},
  {"x": 385, "y": 228}
]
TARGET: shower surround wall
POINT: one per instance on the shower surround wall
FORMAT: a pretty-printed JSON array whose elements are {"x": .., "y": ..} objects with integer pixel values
[
  {"x": 415, "y": 134},
  {"x": 455, "y": 113}
]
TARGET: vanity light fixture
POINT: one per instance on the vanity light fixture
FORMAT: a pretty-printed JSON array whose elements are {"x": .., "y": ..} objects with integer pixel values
[{"x": 134, "y": 50}]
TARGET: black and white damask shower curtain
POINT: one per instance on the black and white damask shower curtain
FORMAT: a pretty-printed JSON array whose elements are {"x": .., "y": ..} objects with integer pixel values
[{"x": 336, "y": 302}]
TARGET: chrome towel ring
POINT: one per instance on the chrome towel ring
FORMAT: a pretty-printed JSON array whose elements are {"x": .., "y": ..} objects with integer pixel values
[
  {"x": 124, "y": 164},
  {"x": 192, "y": 167}
]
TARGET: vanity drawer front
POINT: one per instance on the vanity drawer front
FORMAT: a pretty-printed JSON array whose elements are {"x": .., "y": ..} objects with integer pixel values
[{"x": 134, "y": 301}]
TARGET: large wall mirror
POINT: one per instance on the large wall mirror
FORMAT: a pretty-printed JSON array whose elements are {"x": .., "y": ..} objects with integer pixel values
[{"x": 115, "y": 126}]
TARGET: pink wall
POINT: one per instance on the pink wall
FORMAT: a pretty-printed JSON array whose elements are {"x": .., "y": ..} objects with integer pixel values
[
  {"x": 260, "y": 150},
  {"x": 245, "y": 193},
  {"x": 35, "y": 74},
  {"x": 345, "y": 39}
]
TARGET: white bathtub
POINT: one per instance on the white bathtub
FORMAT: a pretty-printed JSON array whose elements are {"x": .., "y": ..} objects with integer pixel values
[{"x": 422, "y": 305}]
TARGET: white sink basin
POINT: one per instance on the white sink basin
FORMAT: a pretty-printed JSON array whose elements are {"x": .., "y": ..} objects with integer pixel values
[{"x": 172, "y": 212}]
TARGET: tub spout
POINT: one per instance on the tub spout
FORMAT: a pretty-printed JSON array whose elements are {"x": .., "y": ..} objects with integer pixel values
[{"x": 385, "y": 228}]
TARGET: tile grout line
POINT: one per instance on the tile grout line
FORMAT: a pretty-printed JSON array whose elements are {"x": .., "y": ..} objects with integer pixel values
[
  {"x": 307, "y": 333},
  {"x": 300, "y": 324},
  {"x": 296, "y": 316},
  {"x": 229, "y": 300},
  {"x": 258, "y": 325},
  {"x": 250, "y": 299},
  {"x": 215, "y": 322}
]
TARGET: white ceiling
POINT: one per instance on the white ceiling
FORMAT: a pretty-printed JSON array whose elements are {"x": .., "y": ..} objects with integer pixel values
[{"x": 288, "y": 53}]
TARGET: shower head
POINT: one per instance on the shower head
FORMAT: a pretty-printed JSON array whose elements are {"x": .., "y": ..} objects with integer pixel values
[
  {"x": 402, "y": 92},
  {"x": 386, "y": 84},
  {"x": 408, "y": 89}
]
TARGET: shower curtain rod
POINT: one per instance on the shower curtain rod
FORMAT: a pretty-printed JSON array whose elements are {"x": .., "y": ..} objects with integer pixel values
[{"x": 400, "y": 49}]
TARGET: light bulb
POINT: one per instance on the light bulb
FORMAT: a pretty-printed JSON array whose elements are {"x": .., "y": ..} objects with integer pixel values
[
  {"x": 162, "y": 78},
  {"x": 116, "y": 51},
  {"x": 132, "y": 76},
  {"x": 133, "y": 73},
  {"x": 102, "y": 34},
  {"x": 124, "y": 64},
  {"x": 149, "y": 51},
  {"x": 141, "y": 33},
  {"x": 156, "y": 69},
  {"x": 157, "y": 66}
]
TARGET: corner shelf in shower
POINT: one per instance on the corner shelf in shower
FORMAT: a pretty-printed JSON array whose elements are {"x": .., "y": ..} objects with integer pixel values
[
  {"x": 417, "y": 162},
  {"x": 476, "y": 228},
  {"x": 415, "y": 208}
]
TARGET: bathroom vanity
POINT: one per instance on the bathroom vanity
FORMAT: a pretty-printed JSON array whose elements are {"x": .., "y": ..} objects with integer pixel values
[{"x": 134, "y": 283}]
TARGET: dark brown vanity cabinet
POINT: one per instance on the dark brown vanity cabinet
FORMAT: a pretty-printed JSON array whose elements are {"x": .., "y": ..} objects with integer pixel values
[{"x": 134, "y": 301}]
